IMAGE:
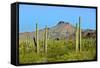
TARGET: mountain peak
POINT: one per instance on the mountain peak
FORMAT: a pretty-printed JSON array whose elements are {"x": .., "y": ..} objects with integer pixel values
[{"x": 62, "y": 22}]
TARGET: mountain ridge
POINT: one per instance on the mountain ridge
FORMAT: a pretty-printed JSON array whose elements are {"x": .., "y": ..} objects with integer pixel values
[{"x": 61, "y": 30}]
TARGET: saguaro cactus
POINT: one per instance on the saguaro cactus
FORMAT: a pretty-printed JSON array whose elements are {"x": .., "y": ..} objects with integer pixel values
[
  {"x": 37, "y": 41},
  {"x": 77, "y": 38},
  {"x": 80, "y": 33},
  {"x": 45, "y": 39}
]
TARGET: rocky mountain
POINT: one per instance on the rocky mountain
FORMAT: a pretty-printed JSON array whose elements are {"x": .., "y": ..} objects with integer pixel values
[
  {"x": 61, "y": 30},
  {"x": 89, "y": 33}
]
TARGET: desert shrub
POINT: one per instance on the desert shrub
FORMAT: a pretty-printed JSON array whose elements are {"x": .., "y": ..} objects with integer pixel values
[{"x": 57, "y": 50}]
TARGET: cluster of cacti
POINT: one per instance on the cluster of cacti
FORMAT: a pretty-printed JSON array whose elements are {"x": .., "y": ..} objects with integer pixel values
[
  {"x": 78, "y": 35},
  {"x": 36, "y": 41},
  {"x": 48, "y": 49}
]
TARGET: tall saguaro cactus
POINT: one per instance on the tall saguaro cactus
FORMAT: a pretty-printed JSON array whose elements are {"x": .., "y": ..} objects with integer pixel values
[
  {"x": 77, "y": 38},
  {"x": 37, "y": 41},
  {"x": 45, "y": 46},
  {"x": 80, "y": 33}
]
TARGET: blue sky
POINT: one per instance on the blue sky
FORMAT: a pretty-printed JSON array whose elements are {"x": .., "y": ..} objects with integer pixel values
[{"x": 50, "y": 16}]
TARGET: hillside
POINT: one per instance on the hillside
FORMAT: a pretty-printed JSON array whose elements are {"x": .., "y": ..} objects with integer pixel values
[{"x": 61, "y": 30}]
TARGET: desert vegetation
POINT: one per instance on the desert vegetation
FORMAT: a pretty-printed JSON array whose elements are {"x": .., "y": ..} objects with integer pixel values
[{"x": 46, "y": 49}]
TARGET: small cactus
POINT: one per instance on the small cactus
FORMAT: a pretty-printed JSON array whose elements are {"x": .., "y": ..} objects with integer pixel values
[{"x": 45, "y": 39}]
